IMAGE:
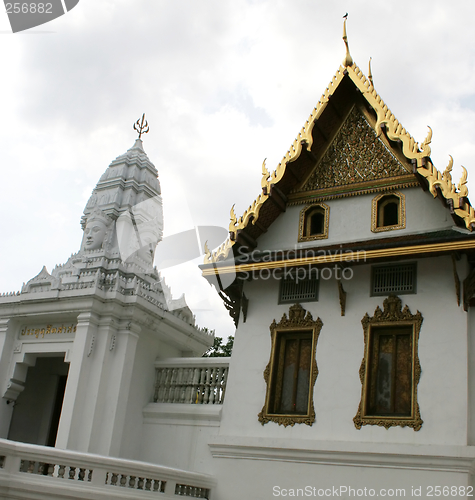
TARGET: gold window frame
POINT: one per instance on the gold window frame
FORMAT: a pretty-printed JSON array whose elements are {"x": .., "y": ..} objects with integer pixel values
[
  {"x": 298, "y": 321},
  {"x": 393, "y": 315},
  {"x": 303, "y": 217},
  {"x": 375, "y": 202}
]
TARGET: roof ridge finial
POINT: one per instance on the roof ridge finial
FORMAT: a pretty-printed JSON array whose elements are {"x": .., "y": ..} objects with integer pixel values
[
  {"x": 370, "y": 75},
  {"x": 141, "y": 127},
  {"x": 348, "y": 61}
]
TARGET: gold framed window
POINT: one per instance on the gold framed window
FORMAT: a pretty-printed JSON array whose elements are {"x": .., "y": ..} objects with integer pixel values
[
  {"x": 292, "y": 370},
  {"x": 390, "y": 370},
  {"x": 313, "y": 222},
  {"x": 388, "y": 212}
]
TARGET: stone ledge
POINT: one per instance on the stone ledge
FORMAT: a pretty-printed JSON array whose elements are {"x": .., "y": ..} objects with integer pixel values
[
  {"x": 182, "y": 414},
  {"x": 356, "y": 454}
]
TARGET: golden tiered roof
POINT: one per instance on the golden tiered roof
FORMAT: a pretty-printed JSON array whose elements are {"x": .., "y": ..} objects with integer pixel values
[{"x": 416, "y": 154}]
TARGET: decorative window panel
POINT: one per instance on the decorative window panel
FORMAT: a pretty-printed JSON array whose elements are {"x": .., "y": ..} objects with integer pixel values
[
  {"x": 292, "y": 369},
  {"x": 390, "y": 370},
  {"x": 298, "y": 290},
  {"x": 394, "y": 278}
]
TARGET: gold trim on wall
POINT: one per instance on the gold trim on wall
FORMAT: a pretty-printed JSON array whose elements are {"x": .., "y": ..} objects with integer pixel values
[
  {"x": 401, "y": 213},
  {"x": 299, "y": 322},
  {"x": 302, "y": 220},
  {"x": 393, "y": 315}
]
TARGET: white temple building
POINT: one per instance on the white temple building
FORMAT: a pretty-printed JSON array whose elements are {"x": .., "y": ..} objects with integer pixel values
[{"x": 351, "y": 281}]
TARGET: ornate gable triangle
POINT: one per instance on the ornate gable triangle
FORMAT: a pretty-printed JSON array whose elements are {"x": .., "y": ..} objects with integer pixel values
[{"x": 357, "y": 161}]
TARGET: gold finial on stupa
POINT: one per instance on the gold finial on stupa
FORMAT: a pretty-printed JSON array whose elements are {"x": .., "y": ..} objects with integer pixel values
[
  {"x": 348, "y": 61},
  {"x": 370, "y": 75}
]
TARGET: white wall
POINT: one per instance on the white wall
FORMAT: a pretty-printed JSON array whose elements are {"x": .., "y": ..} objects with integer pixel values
[
  {"x": 250, "y": 476},
  {"x": 442, "y": 391},
  {"x": 141, "y": 391},
  {"x": 350, "y": 220}
]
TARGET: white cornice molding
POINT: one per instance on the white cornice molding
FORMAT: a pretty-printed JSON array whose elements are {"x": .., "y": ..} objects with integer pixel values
[{"x": 438, "y": 458}]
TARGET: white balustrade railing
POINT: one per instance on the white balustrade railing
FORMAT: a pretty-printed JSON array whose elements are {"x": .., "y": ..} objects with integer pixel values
[
  {"x": 40, "y": 472},
  {"x": 191, "y": 380}
]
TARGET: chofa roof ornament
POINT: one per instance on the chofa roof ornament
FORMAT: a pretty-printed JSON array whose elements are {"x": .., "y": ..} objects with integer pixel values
[{"x": 348, "y": 61}]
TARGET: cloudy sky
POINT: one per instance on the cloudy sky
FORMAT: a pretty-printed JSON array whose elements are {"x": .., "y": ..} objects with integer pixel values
[{"x": 224, "y": 85}]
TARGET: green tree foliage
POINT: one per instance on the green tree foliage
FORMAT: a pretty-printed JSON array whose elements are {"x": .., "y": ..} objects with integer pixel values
[{"x": 220, "y": 350}]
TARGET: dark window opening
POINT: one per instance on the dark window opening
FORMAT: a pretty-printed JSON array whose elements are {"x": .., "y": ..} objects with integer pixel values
[
  {"x": 291, "y": 378},
  {"x": 37, "y": 412},
  {"x": 388, "y": 211},
  {"x": 316, "y": 223},
  {"x": 390, "y": 372}
]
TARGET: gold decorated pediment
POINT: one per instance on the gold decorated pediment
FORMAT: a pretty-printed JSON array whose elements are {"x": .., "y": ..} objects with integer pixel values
[{"x": 356, "y": 159}]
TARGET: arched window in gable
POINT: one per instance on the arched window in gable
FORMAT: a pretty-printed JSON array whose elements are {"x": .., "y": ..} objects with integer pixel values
[
  {"x": 314, "y": 222},
  {"x": 388, "y": 212}
]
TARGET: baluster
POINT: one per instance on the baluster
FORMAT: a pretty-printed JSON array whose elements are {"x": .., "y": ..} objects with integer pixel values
[
  {"x": 41, "y": 468},
  {"x": 148, "y": 484},
  {"x": 212, "y": 387},
  {"x": 217, "y": 385},
  {"x": 182, "y": 385},
  {"x": 188, "y": 385},
  {"x": 123, "y": 480},
  {"x": 140, "y": 484},
  {"x": 50, "y": 471},
  {"x": 225, "y": 380},
  {"x": 195, "y": 387},
  {"x": 177, "y": 392},
  {"x": 162, "y": 388},
  {"x": 132, "y": 482},
  {"x": 89, "y": 476},
  {"x": 156, "y": 485},
  {"x": 158, "y": 387},
  {"x": 171, "y": 397},
  {"x": 166, "y": 385},
  {"x": 206, "y": 391},
  {"x": 72, "y": 472},
  {"x": 82, "y": 473},
  {"x": 114, "y": 479},
  {"x": 107, "y": 478},
  {"x": 217, "y": 391},
  {"x": 202, "y": 385}
]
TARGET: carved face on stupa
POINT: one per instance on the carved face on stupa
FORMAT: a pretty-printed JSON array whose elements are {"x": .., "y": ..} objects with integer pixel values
[
  {"x": 94, "y": 234},
  {"x": 96, "y": 231}
]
